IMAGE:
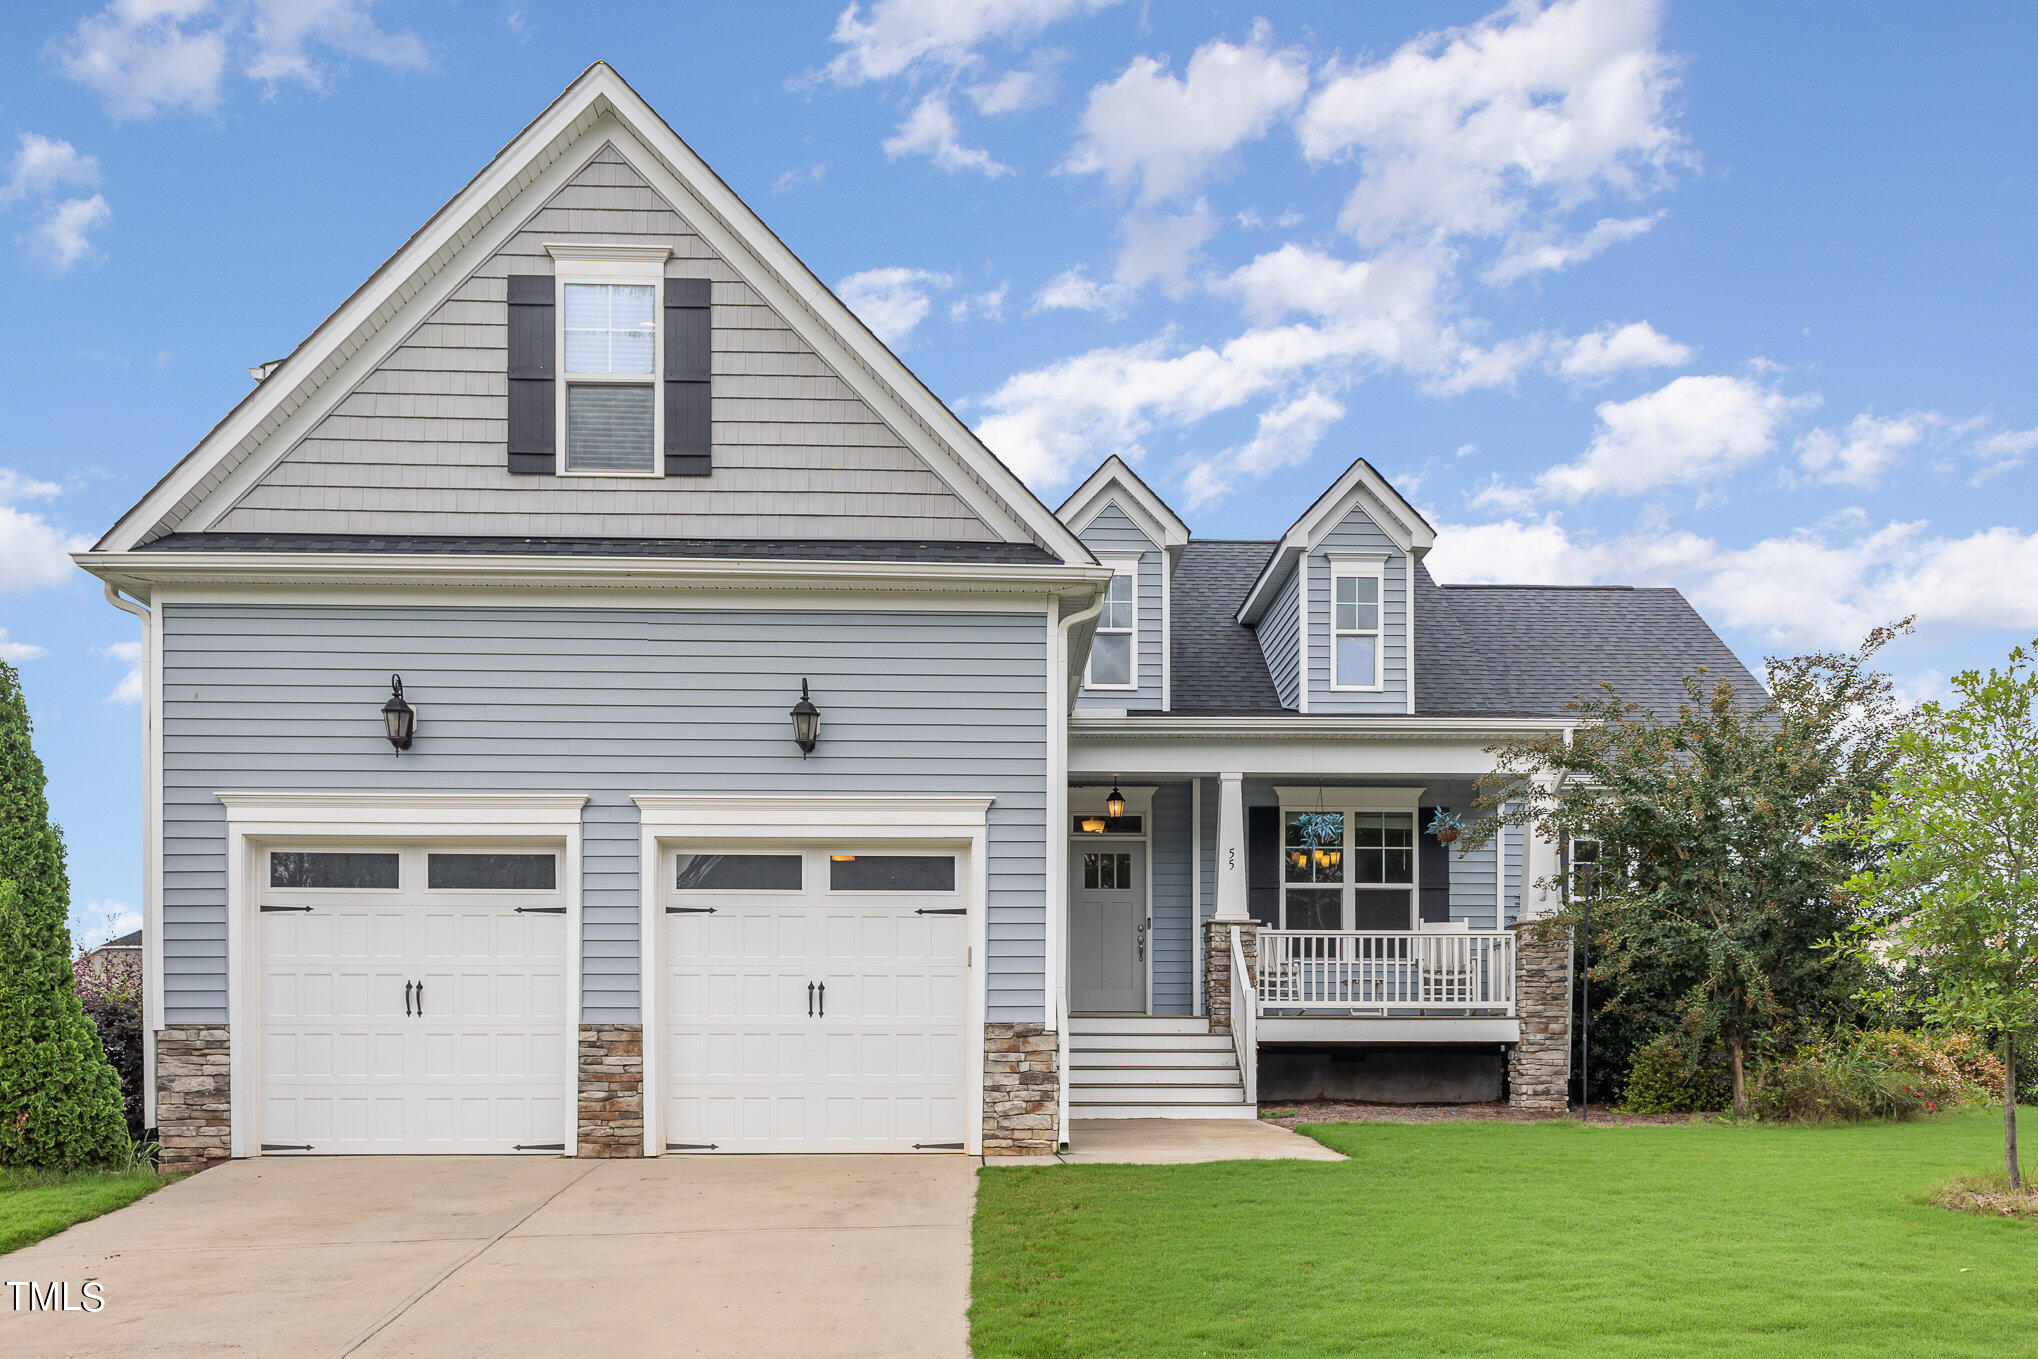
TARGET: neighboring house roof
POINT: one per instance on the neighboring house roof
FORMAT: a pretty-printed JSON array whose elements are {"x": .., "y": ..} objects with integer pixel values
[
  {"x": 130, "y": 940},
  {"x": 1218, "y": 669},
  {"x": 1481, "y": 650},
  {"x": 786, "y": 549}
]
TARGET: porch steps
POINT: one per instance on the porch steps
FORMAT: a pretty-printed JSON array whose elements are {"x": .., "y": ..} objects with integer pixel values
[{"x": 1138, "y": 1066}]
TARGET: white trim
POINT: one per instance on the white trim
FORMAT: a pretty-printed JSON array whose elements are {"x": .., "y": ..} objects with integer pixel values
[
  {"x": 1167, "y": 633},
  {"x": 1121, "y": 564},
  {"x": 599, "y": 106},
  {"x": 1196, "y": 896},
  {"x": 1148, "y": 512},
  {"x": 1359, "y": 566},
  {"x": 255, "y": 817},
  {"x": 1358, "y": 485},
  {"x": 1348, "y": 799},
  {"x": 1408, "y": 622},
  {"x": 1356, "y": 1029},
  {"x": 1500, "y": 876},
  {"x": 949, "y": 821},
  {"x": 1302, "y": 684},
  {"x": 633, "y": 266},
  {"x": 1355, "y": 726}
]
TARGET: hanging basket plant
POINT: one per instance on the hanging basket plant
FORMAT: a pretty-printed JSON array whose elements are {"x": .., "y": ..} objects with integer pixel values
[{"x": 1446, "y": 826}]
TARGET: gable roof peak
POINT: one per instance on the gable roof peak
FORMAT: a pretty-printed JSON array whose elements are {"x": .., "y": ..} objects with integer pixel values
[
  {"x": 1114, "y": 482},
  {"x": 1359, "y": 485}
]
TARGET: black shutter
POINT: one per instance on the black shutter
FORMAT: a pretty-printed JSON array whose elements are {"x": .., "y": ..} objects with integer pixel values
[
  {"x": 1263, "y": 865},
  {"x": 1435, "y": 870},
  {"x": 689, "y": 352},
  {"x": 533, "y": 423}
]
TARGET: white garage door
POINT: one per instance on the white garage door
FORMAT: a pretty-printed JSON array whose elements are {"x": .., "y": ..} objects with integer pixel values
[
  {"x": 815, "y": 1001},
  {"x": 414, "y": 1000}
]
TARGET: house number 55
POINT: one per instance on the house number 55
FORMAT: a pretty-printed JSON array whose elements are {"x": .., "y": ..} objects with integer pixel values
[{"x": 1231, "y": 857}]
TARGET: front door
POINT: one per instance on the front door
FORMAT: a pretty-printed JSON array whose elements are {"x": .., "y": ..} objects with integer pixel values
[{"x": 1108, "y": 928}]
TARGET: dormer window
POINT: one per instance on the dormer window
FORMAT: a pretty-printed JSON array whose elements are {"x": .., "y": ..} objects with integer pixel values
[
  {"x": 1355, "y": 594},
  {"x": 1114, "y": 654}
]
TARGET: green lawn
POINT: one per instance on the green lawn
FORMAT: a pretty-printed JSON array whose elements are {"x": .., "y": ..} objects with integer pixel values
[
  {"x": 34, "y": 1205},
  {"x": 1518, "y": 1240}
]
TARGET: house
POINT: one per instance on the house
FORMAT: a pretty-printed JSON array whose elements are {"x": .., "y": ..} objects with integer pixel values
[{"x": 602, "y": 703}]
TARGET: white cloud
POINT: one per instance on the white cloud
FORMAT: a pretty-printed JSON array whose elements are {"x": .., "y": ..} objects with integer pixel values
[
  {"x": 1287, "y": 435},
  {"x": 800, "y": 177},
  {"x": 920, "y": 37},
  {"x": 1870, "y": 447},
  {"x": 1692, "y": 431},
  {"x": 1159, "y": 136},
  {"x": 1504, "y": 127},
  {"x": 930, "y": 130},
  {"x": 989, "y": 304},
  {"x": 147, "y": 57},
  {"x": 1612, "y": 349},
  {"x": 1162, "y": 247},
  {"x": 133, "y": 686},
  {"x": 2001, "y": 452},
  {"x": 43, "y": 165},
  {"x": 1017, "y": 91},
  {"x": 33, "y": 551},
  {"x": 62, "y": 235},
  {"x": 14, "y": 653},
  {"x": 892, "y": 301},
  {"x": 1525, "y": 257},
  {"x": 1074, "y": 290}
]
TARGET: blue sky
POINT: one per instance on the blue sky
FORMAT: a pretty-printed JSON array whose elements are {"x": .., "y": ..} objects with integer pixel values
[{"x": 1726, "y": 296}]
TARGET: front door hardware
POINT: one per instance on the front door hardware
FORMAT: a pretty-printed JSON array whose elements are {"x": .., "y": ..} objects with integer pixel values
[
  {"x": 942, "y": 910},
  {"x": 937, "y": 1146},
  {"x": 285, "y": 908},
  {"x": 541, "y": 910},
  {"x": 406, "y": 997},
  {"x": 690, "y": 1146},
  {"x": 286, "y": 1146},
  {"x": 810, "y": 1000},
  {"x": 689, "y": 910},
  {"x": 824, "y": 1000},
  {"x": 540, "y": 1146}
]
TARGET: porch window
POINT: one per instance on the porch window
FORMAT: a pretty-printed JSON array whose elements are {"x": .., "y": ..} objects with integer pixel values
[
  {"x": 1348, "y": 870},
  {"x": 1355, "y": 625},
  {"x": 1113, "y": 664}
]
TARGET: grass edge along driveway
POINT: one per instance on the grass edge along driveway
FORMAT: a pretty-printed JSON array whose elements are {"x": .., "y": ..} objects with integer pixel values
[
  {"x": 1496, "y": 1239},
  {"x": 36, "y": 1204}
]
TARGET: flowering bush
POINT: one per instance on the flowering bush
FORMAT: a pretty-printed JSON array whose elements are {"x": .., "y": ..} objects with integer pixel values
[
  {"x": 1880, "y": 1073},
  {"x": 110, "y": 990}
]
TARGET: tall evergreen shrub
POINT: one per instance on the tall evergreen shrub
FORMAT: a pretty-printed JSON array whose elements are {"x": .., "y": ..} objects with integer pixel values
[{"x": 59, "y": 1099}]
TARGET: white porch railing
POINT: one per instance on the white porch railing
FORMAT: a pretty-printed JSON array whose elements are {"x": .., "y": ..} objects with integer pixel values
[
  {"x": 1460, "y": 971},
  {"x": 1245, "y": 1021}
]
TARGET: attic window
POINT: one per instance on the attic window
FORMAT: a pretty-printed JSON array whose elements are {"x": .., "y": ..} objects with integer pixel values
[
  {"x": 610, "y": 348},
  {"x": 1355, "y": 624}
]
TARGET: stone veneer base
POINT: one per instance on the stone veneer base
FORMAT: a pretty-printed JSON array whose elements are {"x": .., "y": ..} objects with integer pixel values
[
  {"x": 1022, "y": 1089},
  {"x": 1217, "y": 966},
  {"x": 194, "y": 1108},
  {"x": 611, "y": 1091},
  {"x": 1539, "y": 1066}
]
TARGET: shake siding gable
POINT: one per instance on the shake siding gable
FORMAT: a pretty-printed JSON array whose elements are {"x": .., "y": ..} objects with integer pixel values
[
  {"x": 1112, "y": 533},
  {"x": 1358, "y": 533},
  {"x": 605, "y": 702},
  {"x": 417, "y": 446}
]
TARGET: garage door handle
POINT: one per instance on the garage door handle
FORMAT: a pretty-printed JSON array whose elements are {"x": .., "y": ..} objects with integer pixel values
[
  {"x": 810, "y": 1000},
  {"x": 421, "y": 1000},
  {"x": 824, "y": 1000},
  {"x": 406, "y": 998}
]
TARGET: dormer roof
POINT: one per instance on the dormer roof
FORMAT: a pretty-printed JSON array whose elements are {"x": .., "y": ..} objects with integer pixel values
[{"x": 1359, "y": 486}]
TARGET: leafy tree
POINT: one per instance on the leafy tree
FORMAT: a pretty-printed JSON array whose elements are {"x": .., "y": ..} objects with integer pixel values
[
  {"x": 59, "y": 1100},
  {"x": 1951, "y": 888},
  {"x": 1715, "y": 884}
]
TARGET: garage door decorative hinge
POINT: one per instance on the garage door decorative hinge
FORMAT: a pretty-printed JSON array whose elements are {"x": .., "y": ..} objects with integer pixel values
[
  {"x": 540, "y": 1146},
  {"x": 690, "y": 1146},
  {"x": 689, "y": 910},
  {"x": 286, "y": 908},
  {"x": 937, "y": 1146},
  {"x": 942, "y": 910},
  {"x": 541, "y": 910},
  {"x": 286, "y": 1146}
]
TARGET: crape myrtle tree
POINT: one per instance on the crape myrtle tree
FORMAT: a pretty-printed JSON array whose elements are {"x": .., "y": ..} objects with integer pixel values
[
  {"x": 1950, "y": 885},
  {"x": 59, "y": 1100},
  {"x": 1716, "y": 883}
]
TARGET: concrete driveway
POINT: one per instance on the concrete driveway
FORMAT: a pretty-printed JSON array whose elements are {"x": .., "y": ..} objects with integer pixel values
[{"x": 378, "y": 1256}]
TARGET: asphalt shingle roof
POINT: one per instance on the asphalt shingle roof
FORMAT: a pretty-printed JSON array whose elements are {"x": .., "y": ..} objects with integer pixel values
[{"x": 1216, "y": 663}]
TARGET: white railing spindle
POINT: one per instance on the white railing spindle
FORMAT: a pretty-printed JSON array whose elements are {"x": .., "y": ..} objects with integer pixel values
[
  {"x": 1245, "y": 1016},
  {"x": 1385, "y": 971}
]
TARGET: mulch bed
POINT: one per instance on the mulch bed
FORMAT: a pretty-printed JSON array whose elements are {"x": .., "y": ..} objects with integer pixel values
[
  {"x": 1988, "y": 1202},
  {"x": 1345, "y": 1111}
]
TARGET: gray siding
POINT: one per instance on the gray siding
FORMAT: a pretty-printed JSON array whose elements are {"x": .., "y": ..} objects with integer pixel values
[
  {"x": 1517, "y": 841},
  {"x": 1359, "y": 533},
  {"x": 1278, "y": 642},
  {"x": 418, "y": 445},
  {"x": 1112, "y": 532},
  {"x": 605, "y": 702},
  {"x": 1173, "y": 880}
]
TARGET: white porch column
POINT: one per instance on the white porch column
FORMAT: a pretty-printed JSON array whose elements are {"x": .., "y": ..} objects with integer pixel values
[
  {"x": 1540, "y": 866},
  {"x": 1231, "y": 847}
]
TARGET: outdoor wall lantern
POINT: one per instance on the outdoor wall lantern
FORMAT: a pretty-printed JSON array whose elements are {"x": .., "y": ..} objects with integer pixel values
[
  {"x": 806, "y": 723},
  {"x": 399, "y": 719},
  {"x": 1114, "y": 806}
]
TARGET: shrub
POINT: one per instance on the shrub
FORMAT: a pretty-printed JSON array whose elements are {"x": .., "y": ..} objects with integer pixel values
[
  {"x": 1878, "y": 1074},
  {"x": 1671, "y": 1076},
  {"x": 110, "y": 989}
]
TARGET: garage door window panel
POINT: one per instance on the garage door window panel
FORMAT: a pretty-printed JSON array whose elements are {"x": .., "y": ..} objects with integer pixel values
[
  {"x": 891, "y": 873},
  {"x": 738, "y": 873},
  {"x": 334, "y": 870},
  {"x": 489, "y": 872}
]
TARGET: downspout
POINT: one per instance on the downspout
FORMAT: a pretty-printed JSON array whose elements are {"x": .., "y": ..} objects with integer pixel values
[
  {"x": 1057, "y": 865},
  {"x": 152, "y": 929}
]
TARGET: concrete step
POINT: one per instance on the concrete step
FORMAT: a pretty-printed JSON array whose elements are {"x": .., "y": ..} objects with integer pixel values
[
  {"x": 1184, "y": 1042},
  {"x": 1081, "y": 1059},
  {"x": 1141, "y": 1093},
  {"x": 1137, "y": 1109},
  {"x": 1083, "y": 1077},
  {"x": 1082, "y": 1024}
]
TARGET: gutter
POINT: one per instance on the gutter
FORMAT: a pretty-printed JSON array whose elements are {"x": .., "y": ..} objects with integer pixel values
[
  {"x": 1055, "y": 1002},
  {"x": 1316, "y": 728},
  {"x": 152, "y": 929}
]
